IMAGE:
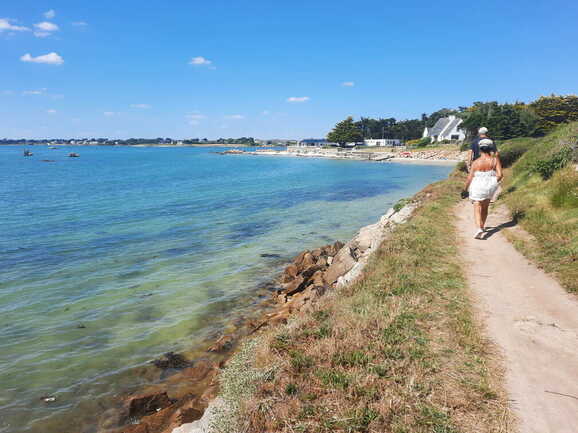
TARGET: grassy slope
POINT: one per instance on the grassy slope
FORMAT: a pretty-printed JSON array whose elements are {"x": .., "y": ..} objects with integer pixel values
[
  {"x": 547, "y": 209},
  {"x": 396, "y": 352}
]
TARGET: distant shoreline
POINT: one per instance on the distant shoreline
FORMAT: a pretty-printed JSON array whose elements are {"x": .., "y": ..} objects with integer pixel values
[{"x": 425, "y": 157}]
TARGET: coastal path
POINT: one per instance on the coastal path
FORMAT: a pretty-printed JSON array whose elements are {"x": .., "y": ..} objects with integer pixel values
[{"x": 531, "y": 319}]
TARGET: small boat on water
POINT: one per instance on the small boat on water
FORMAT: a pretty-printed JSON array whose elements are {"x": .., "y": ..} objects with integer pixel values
[
  {"x": 27, "y": 153},
  {"x": 73, "y": 155}
]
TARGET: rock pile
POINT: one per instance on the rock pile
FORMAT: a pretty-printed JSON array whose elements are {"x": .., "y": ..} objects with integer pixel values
[{"x": 314, "y": 272}]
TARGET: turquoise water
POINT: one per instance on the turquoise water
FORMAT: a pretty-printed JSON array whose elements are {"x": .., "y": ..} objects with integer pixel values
[{"x": 113, "y": 258}]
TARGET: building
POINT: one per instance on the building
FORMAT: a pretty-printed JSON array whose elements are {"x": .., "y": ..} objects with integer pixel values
[
  {"x": 385, "y": 142},
  {"x": 314, "y": 142},
  {"x": 446, "y": 128}
]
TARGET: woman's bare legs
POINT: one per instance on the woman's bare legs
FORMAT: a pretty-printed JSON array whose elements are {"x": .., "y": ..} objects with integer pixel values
[
  {"x": 478, "y": 214},
  {"x": 485, "y": 205}
]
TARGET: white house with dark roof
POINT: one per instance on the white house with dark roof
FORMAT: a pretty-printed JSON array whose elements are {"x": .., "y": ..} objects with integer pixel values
[{"x": 446, "y": 128}]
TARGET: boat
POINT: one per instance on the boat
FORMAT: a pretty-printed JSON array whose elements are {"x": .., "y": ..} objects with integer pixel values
[
  {"x": 27, "y": 153},
  {"x": 73, "y": 155}
]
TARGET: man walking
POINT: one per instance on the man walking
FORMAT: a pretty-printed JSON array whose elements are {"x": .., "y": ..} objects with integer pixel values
[{"x": 475, "y": 149}]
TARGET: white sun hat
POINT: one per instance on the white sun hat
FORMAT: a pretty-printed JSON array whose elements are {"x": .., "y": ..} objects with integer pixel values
[
  {"x": 483, "y": 130},
  {"x": 486, "y": 142}
]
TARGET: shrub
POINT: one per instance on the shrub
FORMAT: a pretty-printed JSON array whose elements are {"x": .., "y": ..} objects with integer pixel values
[
  {"x": 565, "y": 193},
  {"x": 546, "y": 167},
  {"x": 400, "y": 204},
  {"x": 512, "y": 150},
  {"x": 423, "y": 142}
]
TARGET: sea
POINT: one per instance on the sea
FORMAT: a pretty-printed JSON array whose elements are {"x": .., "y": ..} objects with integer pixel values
[{"x": 113, "y": 258}]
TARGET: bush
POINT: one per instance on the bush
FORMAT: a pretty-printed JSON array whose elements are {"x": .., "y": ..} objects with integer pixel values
[
  {"x": 565, "y": 194},
  {"x": 512, "y": 150},
  {"x": 424, "y": 142},
  {"x": 546, "y": 167}
]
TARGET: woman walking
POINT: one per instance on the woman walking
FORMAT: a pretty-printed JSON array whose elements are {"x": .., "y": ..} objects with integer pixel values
[{"x": 482, "y": 182}]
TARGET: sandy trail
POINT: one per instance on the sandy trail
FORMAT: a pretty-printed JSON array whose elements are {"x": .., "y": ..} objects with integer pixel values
[{"x": 531, "y": 319}]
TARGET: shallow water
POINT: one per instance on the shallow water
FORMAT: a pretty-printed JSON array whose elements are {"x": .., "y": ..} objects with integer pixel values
[{"x": 113, "y": 258}]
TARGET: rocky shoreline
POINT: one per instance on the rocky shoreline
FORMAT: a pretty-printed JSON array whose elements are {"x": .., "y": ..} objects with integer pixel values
[
  {"x": 309, "y": 276},
  {"x": 428, "y": 155}
]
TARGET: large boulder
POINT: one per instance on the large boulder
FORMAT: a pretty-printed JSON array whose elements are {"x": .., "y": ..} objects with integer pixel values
[
  {"x": 142, "y": 405},
  {"x": 342, "y": 263}
]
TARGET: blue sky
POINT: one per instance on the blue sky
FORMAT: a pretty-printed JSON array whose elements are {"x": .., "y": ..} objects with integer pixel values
[{"x": 287, "y": 69}]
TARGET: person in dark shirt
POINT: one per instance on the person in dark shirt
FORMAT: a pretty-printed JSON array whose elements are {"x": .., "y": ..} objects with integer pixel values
[{"x": 475, "y": 149}]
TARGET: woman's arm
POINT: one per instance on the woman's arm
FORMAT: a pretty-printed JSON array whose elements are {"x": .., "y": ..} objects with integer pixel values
[
  {"x": 499, "y": 168},
  {"x": 470, "y": 176}
]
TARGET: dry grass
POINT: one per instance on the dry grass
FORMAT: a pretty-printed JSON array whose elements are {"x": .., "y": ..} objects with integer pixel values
[{"x": 397, "y": 352}]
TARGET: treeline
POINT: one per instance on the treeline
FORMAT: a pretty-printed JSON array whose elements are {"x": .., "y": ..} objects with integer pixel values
[
  {"x": 129, "y": 141},
  {"x": 504, "y": 121}
]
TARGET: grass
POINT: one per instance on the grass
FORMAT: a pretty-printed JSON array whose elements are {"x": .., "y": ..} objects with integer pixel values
[
  {"x": 544, "y": 199},
  {"x": 400, "y": 351}
]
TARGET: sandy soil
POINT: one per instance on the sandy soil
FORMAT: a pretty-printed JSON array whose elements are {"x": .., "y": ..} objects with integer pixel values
[{"x": 532, "y": 320}]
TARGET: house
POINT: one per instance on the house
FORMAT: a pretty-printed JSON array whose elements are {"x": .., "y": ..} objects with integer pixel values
[
  {"x": 387, "y": 142},
  {"x": 313, "y": 142},
  {"x": 446, "y": 128}
]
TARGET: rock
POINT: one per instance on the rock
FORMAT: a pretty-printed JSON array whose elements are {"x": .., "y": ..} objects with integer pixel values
[
  {"x": 143, "y": 405},
  {"x": 223, "y": 344},
  {"x": 291, "y": 270},
  {"x": 329, "y": 260},
  {"x": 317, "y": 278},
  {"x": 294, "y": 286},
  {"x": 404, "y": 213},
  {"x": 334, "y": 249},
  {"x": 300, "y": 257},
  {"x": 316, "y": 253},
  {"x": 199, "y": 370},
  {"x": 342, "y": 263},
  {"x": 321, "y": 261},
  {"x": 367, "y": 237},
  {"x": 307, "y": 261},
  {"x": 172, "y": 360}
]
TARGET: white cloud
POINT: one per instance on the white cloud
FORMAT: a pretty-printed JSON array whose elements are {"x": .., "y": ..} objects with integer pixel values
[
  {"x": 298, "y": 99},
  {"x": 348, "y": 84},
  {"x": 109, "y": 113},
  {"x": 200, "y": 61},
  {"x": 235, "y": 117},
  {"x": 34, "y": 92},
  {"x": 79, "y": 23},
  {"x": 7, "y": 92},
  {"x": 141, "y": 106},
  {"x": 266, "y": 112},
  {"x": 5, "y": 24},
  {"x": 46, "y": 26},
  {"x": 45, "y": 29},
  {"x": 51, "y": 111},
  {"x": 49, "y": 59},
  {"x": 49, "y": 14},
  {"x": 195, "y": 118}
]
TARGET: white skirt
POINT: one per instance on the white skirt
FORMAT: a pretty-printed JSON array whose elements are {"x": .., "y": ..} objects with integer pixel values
[{"x": 483, "y": 186}]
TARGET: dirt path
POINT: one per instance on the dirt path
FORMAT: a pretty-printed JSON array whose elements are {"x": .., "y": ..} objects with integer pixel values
[{"x": 531, "y": 319}]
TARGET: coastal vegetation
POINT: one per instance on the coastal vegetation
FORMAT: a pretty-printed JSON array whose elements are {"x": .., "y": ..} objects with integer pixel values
[
  {"x": 247, "y": 141},
  {"x": 542, "y": 193},
  {"x": 505, "y": 121},
  {"x": 397, "y": 351}
]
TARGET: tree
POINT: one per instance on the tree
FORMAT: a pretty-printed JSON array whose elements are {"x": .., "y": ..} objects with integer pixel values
[
  {"x": 344, "y": 132},
  {"x": 554, "y": 110}
]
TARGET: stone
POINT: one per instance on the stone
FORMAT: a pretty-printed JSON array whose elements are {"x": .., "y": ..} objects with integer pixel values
[
  {"x": 317, "y": 278},
  {"x": 329, "y": 260},
  {"x": 142, "y": 405},
  {"x": 198, "y": 371},
  {"x": 308, "y": 260},
  {"x": 171, "y": 360},
  {"x": 321, "y": 261},
  {"x": 223, "y": 344},
  {"x": 316, "y": 253},
  {"x": 294, "y": 286},
  {"x": 334, "y": 249},
  {"x": 342, "y": 263},
  {"x": 291, "y": 270}
]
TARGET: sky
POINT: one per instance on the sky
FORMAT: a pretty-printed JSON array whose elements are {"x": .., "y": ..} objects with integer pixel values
[{"x": 269, "y": 68}]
